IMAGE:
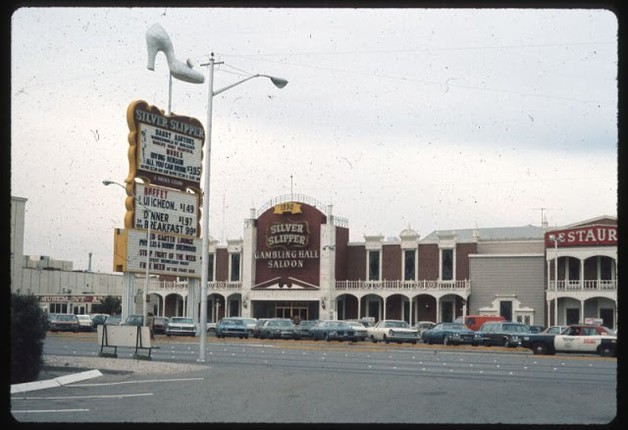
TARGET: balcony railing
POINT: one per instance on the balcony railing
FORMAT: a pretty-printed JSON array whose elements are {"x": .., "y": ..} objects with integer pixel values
[
  {"x": 216, "y": 285},
  {"x": 586, "y": 285},
  {"x": 404, "y": 285}
]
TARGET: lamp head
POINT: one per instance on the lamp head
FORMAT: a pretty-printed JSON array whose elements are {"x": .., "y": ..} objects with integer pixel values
[
  {"x": 107, "y": 182},
  {"x": 278, "y": 82}
]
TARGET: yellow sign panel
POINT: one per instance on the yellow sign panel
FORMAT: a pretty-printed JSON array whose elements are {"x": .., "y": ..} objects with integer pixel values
[
  {"x": 170, "y": 254},
  {"x": 290, "y": 207}
]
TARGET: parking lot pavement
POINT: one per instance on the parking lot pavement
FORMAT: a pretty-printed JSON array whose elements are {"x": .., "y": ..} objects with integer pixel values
[{"x": 60, "y": 370}]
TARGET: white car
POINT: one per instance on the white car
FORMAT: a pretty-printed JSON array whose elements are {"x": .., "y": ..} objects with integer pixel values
[
  {"x": 181, "y": 326},
  {"x": 393, "y": 331},
  {"x": 578, "y": 338},
  {"x": 85, "y": 323}
]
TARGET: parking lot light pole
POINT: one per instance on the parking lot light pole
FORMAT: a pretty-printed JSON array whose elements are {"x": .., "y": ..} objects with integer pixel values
[
  {"x": 556, "y": 238},
  {"x": 279, "y": 83},
  {"x": 148, "y": 233}
]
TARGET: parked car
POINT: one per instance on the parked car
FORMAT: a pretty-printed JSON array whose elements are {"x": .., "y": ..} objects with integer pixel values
[
  {"x": 451, "y": 333},
  {"x": 555, "y": 329},
  {"x": 260, "y": 322},
  {"x": 393, "y": 331},
  {"x": 98, "y": 319},
  {"x": 49, "y": 318},
  {"x": 160, "y": 324},
  {"x": 85, "y": 323},
  {"x": 333, "y": 330},
  {"x": 211, "y": 327},
  {"x": 421, "y": 326},
  {"x": 64, "y": 322},
  {"x": 181, "y": 326},
  {"x": 136, "y": 320},
  {"x": 578, "y": 338},
  {"x": 506, "y": 334},
  {"x": 233, "y": 327},
  {"x": 278, "y": 328},
  {"x": 536, "y": 328},
  {"x": 113, "y": 320},
  {"x": 474, "y": 322},
  {"x": 304, "y": 328},
  {"x": 361, "y": 332}
]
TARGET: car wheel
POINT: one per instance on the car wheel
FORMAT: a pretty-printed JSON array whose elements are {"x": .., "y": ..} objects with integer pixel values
[
  {"x": 539, "y": 349},
  {"x": 373, "y": 339},
  {"x": 506, "y": 343},
  {"x": 605, "y": 351},
  {"x": 414, "y": 342},
  {"x": 386, "y": 339}
]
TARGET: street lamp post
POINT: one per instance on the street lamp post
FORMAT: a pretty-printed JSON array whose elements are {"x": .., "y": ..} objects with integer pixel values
[
  {"x": 279, "y": 83},
  {"x": 556, "y": 238},
  {"x": 148, "y": 233}
]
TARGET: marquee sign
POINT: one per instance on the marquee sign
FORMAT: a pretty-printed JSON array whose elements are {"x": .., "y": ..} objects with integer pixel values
[
  {"x": 165, "y": 149},
  {"x": 288, "y": 234},
  {"x": 169, "y": 211},
  {"x": 595, "y": 235},
  {"x": 170, "y": 254}
]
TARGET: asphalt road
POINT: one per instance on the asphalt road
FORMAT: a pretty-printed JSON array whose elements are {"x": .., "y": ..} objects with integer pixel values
[{"x": 253, "y": 381}]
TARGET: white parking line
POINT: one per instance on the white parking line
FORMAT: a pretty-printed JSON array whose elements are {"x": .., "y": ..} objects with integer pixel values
[
  {"x": 47, "y": 411},
  {"x": 56, "y": 382},
  {"x": 100, "y": 396},
  {"x": 137, "y": 382}
]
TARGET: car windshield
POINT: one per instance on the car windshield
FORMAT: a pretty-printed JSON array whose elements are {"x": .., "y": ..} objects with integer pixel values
[
  {"x": 398, "y": 324},
  {"x": 66, "y": 317},
  {"x": 308, "y": 323},
  {"x": 454, "y": 326},
  {"x": 182, "y": 320},
  {"x": 515, "y": 327},
  {"x": 233, "y": 322},
  {"x": 279, "y": 323}
]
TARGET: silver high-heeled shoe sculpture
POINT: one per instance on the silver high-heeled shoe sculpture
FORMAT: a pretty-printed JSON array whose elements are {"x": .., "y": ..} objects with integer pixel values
[{"x": 158, "y": 40}]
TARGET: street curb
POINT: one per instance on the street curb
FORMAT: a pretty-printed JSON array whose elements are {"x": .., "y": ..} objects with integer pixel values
[{"x": 56, "y": 382}]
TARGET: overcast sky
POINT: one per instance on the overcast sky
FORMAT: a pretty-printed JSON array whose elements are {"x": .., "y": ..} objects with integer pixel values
[{"x": 435, "y": 119}]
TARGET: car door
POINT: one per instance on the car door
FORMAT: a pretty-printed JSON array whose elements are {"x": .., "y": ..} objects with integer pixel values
[{"x": 575, "y": 340}]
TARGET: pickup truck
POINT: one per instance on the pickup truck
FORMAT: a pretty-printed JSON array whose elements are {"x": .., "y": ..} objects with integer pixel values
[{"x": 578, "y": 338}]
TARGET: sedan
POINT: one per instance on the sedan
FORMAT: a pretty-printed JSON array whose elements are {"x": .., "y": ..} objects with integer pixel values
[
  {"x": 98, "y": 319},
  {"x": 278, "y": 328},
  {"x": 233, "y": 327},
  {"x": 449, "y": 333},
  {"x": 85, "y": 323},
  {"x": 555, "y": 329},
  {"x": 304, "y": 328},
  {"x": 113, "y": 320},
  {"x": 64, "y": 322},
  {"x": 333, "y": 330},
  {"x": 393, "y": 331},
  {"x": 360, "y": 330},
  {"x": 181, "y": 326},
  {"x": 160, "y": 324}
]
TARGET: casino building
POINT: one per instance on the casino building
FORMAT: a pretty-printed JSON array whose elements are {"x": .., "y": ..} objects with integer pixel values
[{"x": 295, "y": 258}]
